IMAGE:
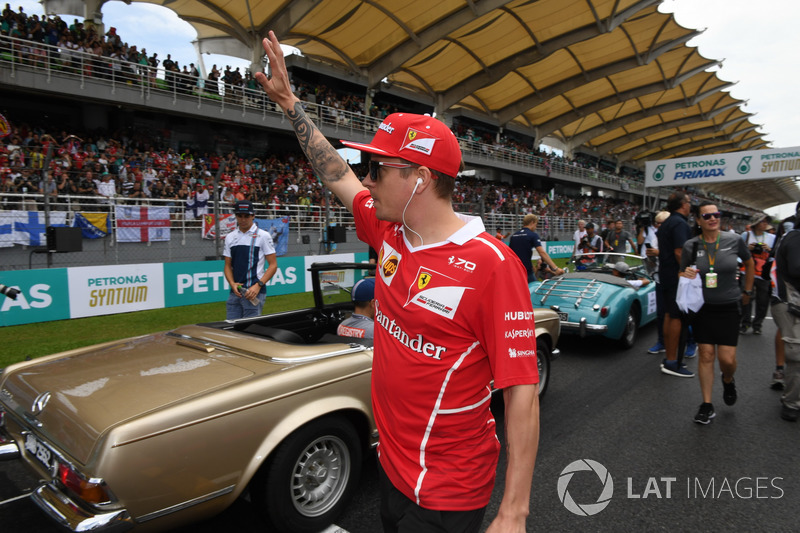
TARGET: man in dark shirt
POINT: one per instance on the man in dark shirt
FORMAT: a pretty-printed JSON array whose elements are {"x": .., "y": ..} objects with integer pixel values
[
  {"x": 525, "y": 240},
  {"x": 787, "y": 265},
  {"x": 672, "y": 234}
]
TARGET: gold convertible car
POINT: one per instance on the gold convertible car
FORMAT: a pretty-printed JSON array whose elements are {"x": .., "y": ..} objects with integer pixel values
[{"x": 158, "y": 431}]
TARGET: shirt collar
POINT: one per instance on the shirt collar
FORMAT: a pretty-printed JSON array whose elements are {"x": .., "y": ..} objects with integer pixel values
[
  {"x": 473, "y": 226},
  {"x": 252, "y": 229}
]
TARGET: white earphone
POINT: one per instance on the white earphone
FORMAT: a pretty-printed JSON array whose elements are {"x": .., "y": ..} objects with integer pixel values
[{"x": 419, "y": 182}]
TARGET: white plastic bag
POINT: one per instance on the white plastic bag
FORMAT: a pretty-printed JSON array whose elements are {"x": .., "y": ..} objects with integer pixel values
[{"x": 690, "y": 294}]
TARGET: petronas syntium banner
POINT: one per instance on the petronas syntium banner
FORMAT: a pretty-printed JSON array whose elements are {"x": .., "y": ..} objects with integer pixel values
[{"x": 727, "y": 167}]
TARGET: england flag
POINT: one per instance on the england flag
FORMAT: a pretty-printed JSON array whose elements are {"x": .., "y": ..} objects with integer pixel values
[{"x": 142, "y": 224}]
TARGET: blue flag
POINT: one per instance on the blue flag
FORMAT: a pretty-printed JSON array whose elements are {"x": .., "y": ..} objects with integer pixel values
[
  {"x": 93, "y": 225},
  {"x": 278, "y": 228}
]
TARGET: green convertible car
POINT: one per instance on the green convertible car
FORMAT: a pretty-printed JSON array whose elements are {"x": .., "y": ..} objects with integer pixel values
[{"x": 591, "y": 300}]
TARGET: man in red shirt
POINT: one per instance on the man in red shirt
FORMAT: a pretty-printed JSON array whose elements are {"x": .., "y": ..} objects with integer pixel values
[{"x": 452, "y": 313}]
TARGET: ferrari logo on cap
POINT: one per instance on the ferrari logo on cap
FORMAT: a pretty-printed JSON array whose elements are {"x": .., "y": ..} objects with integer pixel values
[
  {"x": 419, "y": 141},
  {"x": 423, "y": 280}
]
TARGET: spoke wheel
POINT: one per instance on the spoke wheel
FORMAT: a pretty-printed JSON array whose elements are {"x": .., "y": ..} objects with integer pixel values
[
  {"x": 543, "y": 362},
  {"x": 310, "y": 477},
  {"x": 628, "y": 338}
]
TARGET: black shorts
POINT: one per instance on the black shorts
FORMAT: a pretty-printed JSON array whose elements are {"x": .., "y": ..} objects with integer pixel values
[
  {"x": 717, "y": 324},
  {"x": 670, "y": 297},
  {"x": 401, "y": 515}
]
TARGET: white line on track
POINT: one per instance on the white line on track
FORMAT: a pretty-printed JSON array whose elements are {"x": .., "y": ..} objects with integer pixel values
[
  {"x": 21, "y": 496},
  {"x": 333, "y": 528}
]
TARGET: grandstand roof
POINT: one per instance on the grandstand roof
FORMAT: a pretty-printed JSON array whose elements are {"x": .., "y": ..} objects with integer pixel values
[{"x": 615, "y": 76}]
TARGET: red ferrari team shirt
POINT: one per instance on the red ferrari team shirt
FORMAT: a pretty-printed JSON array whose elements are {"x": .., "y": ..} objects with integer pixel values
[{"x": 450, "y": 318}]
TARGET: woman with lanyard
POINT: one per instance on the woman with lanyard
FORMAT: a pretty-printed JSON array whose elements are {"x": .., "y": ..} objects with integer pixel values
[{"x": 712, "y": 255}]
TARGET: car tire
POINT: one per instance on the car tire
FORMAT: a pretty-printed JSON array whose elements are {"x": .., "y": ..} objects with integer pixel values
[
  {"x": 311, "y": 476},
  {"x": 543, "y": 361},
  {"x": 631, "y": 331}
]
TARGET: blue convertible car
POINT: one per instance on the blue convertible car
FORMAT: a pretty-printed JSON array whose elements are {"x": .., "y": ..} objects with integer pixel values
[{"x": 592, "y": 300}]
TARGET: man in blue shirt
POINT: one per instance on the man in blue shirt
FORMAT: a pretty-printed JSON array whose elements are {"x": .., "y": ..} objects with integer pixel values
[
  {"x": 525, "y": 240},
  {"x": 247, "y": 250}
]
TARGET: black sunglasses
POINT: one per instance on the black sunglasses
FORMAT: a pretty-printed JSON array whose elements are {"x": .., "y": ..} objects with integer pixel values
[
  {"x": 709, "y": 216},
  {"x": 374, "y": 168}
]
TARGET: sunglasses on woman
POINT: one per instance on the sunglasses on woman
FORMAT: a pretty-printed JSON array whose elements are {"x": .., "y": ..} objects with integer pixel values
[{"x": 709, "y": 216}]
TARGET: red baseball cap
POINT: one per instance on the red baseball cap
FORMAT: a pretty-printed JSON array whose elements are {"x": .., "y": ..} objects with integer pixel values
[{"x": 420, "y": 139}]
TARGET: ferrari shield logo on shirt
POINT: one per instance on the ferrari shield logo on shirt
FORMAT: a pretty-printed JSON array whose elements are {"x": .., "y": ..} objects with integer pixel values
[
  {"x": 423, "y": 280},
  {"x": 389, "y": 261},
  {"x": 418, "y": 141},
  {"x": 434, "y": 294}
]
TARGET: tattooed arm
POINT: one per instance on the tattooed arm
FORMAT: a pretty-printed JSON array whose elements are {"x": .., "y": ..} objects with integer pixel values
[{"x": 325, "y": 160}]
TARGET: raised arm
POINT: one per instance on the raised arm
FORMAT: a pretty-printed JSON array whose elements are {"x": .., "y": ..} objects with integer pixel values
[{"x": 328, "y": 165}]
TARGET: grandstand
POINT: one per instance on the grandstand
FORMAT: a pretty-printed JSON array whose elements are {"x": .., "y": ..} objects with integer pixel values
[{"x": 185, "y": 127}]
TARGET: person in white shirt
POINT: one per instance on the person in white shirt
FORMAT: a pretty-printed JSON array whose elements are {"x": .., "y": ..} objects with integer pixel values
[
  {"x": 106, "y": 189},
  {"x": 580, "y": 233}
]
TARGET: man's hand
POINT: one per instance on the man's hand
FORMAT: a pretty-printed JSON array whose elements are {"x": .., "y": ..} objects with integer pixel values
[
  {"x": 277, "y": 86},
  {"x": 252, "y": 292},
  {"x": 507, "y": 524}
]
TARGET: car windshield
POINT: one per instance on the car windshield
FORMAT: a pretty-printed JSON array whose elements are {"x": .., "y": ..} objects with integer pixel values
[
  {"x": 336, "y": 281},
  {"x": 604, "y": 262}
]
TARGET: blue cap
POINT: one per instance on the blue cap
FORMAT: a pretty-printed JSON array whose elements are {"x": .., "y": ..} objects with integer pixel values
[
  {"x": 364, "y": 290},
  {"x": 243, "y": 207}
]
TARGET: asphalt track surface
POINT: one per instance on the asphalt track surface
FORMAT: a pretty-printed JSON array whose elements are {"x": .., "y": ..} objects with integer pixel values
[{"x": 633, "y": 424}]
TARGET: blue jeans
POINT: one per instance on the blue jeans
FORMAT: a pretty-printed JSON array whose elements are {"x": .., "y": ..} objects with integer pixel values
[{"x": 240, "y": 307}]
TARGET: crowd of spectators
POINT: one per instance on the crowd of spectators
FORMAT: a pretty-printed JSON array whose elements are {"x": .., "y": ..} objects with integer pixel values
[
  {"x": 141, "y": 166},
  {"x": 135, "y": 165},
  {"x": 113, "y": 56}
]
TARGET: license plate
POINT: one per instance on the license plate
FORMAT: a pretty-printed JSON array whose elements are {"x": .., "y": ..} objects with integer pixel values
[
  {"x": 563, "y": 316},
  {"x": 38, "y": 450}
]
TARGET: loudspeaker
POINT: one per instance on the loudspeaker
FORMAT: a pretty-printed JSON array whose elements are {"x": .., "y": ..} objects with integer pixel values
[
  {"x": 337, "y": 234},
  {"x": 64, "y": 239},
  {"x": 306, "y": 239}
]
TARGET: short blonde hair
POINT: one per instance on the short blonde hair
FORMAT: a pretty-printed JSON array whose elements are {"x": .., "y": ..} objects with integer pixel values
[
  {"x": 529, "y": 218},
  {"x": 661, "y": 216}
]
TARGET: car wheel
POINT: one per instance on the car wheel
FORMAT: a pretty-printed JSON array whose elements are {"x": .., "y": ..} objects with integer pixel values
[
  {"x": 628, "y": 338},
  {"x": 311, "y": 476},
  {"x": 543, "y": 361}
]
